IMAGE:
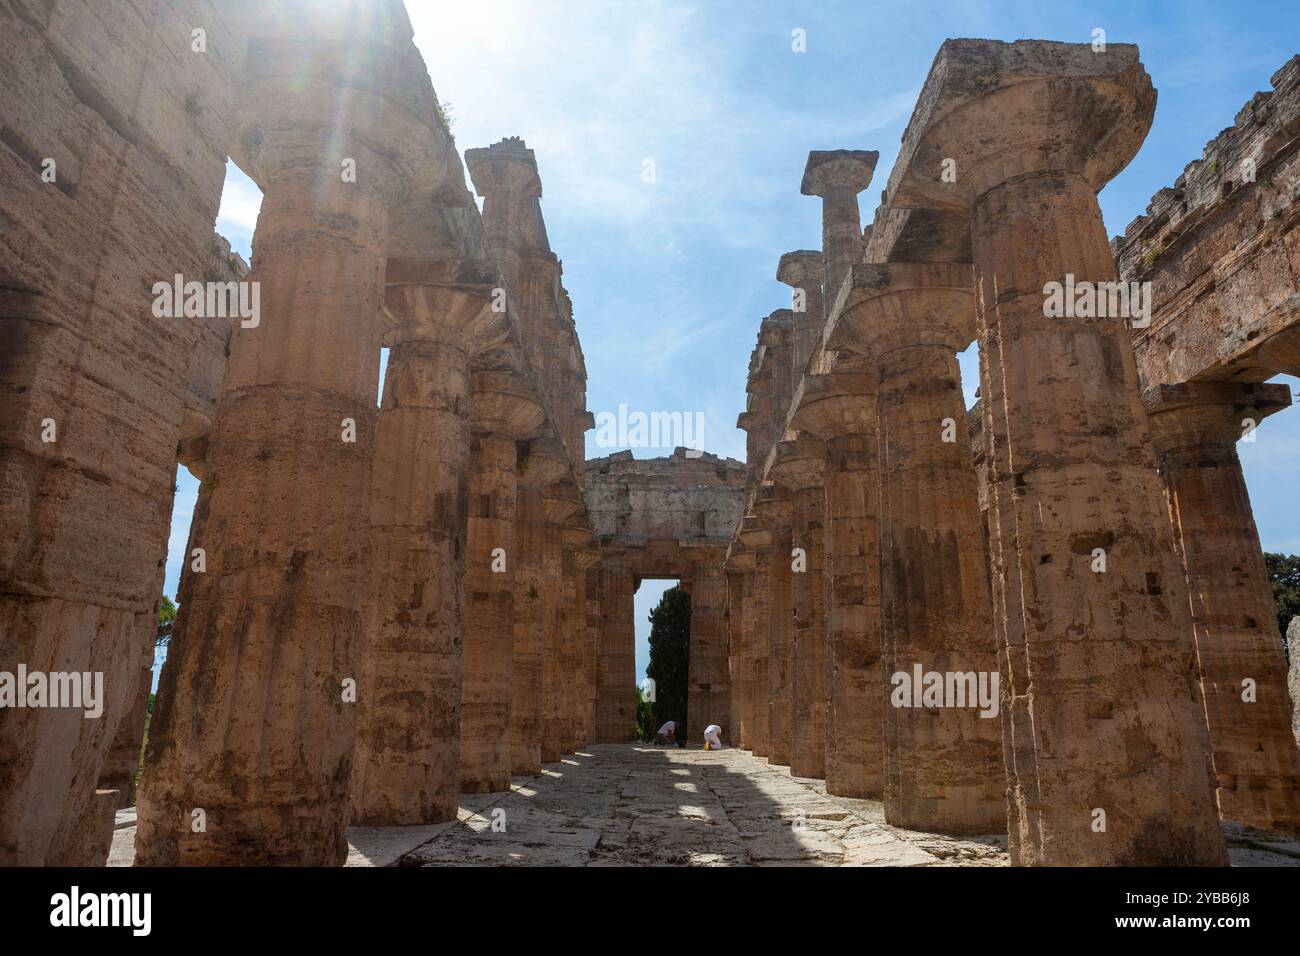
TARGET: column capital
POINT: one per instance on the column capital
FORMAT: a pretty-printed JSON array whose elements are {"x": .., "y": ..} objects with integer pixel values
[
  {"x": 545, "y": 462},
  {"x": 506, "y": 167},
  {"x": 992, "y": 111},
  {"x": 298, "y": 82},
  {"x": 828, "y": 170},
  {"x": 891, "y": 305},
  {"x": 753, "y": 534},
  {"x": 502, "y": 403},
  {"x": 801, "y": 268},
  {"x": 772, "y": 505},
  {"x": 828, "y": 406},
  {"x": 1201, "y": 413},
  {"x": 798, "y": 464},
  {"x": 561, "y": 501}
]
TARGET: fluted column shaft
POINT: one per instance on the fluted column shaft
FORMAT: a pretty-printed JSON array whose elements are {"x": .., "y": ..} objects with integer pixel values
[
  {"x": 616, "y": 692},
  {"x": 1242, "y": 668},
  {"x": 808, "y": 737},
  {"x": 529, "y": 630},
  {"x": 485, "y": 753},
  {"x": 855, "y": 747},
  {"x": 708, "y": 691},
  {"x": 757, "y": 613},
  {"x": 780, "y": 631},
  {"x": 552, "y": 640},
  {"x": 253, "y": 689},
  {"x": 405, "y": 770},
  {"x": 943, "y": 766},
  {"x": 1072, "y": 471}
]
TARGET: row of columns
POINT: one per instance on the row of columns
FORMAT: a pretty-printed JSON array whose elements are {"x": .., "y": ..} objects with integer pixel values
[{"x": 1120, "y": 613}]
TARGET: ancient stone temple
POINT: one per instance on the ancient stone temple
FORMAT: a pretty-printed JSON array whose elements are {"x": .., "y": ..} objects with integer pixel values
[{"x": 1046, "y": 617}]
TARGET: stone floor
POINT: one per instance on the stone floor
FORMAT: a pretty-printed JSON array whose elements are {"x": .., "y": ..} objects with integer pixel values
[
  {"x": 631, "y": 805},
  {"x": 616, "y": 805}
]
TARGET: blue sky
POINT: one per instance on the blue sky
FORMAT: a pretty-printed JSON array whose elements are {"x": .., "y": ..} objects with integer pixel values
[{"x": 670, "y": 278}]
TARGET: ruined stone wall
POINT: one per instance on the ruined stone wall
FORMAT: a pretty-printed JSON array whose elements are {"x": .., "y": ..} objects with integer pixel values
[
  {"x": 1221, "y": 249},
  {"x": 113, "y": 134}
]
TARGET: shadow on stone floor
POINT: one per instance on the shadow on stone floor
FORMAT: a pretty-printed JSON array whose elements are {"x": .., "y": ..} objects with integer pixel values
[{"x": 633, "y": 805}]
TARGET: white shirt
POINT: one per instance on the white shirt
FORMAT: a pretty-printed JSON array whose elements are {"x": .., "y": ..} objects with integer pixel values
[{"x": 669, "y": 728}]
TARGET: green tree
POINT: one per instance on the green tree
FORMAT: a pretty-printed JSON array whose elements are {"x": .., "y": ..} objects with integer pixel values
[
  {"x": 166, "y": 621},
  {"x": 1284, "y": 575},
  {"x": 670, "y": 656},
  {"x": 645, "y": 718}
]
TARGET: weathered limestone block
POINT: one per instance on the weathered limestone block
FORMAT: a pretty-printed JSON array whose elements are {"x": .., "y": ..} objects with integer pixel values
[
  {"x": 800, "y": 465},
  {"x": 840, "y": 409},
  {"x": 943, "y": 766},
  {"x": 1221, "y": 251},
  {"x": 1242, "y": 668},
  {"x": 85, "y": 508},
  {"x": 837, "y": 176},
  {"x": 254, "y": 725},
  {"x": 1104, "y": 710}
]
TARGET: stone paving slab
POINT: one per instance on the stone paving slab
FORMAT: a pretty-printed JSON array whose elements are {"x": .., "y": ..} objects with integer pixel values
[{"x": 633, "y": 805}]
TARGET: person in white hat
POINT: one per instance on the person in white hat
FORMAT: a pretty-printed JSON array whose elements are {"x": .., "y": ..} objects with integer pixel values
[{"x": 713, "y": 737}]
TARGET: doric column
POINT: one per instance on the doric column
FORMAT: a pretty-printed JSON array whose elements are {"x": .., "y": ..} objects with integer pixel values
[
  {"x": 405, "y": 769},
  {"x": 772, "y": 505},
  {"x": 737, "y": 732},
  {"x": 405, "y": 766},
  {"x": 1097, "y": 774},
  {"x": 503, "y": 414},
  {"x": 757, "y": 539},
  {"x": 616, "y": 690},
  {"x": 505, "y": 175},
  {"x": 943, "y": 765},
  {"x": 803, "y": 271},
  {"x": 840, "y": 409},
  {"x": 799, "y": 465},
  {"x": 837, "y": 176},
  {"x": 708, "y": 692},
  {"x": 578, "y": 557},
  {"x": 1243, "y": 671},
  {"x": 537, "y": 468},
  {"x": 560, "y": 502},
  {"x": 255, "y": 725},
  {"x": 590, "y": 644}
]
